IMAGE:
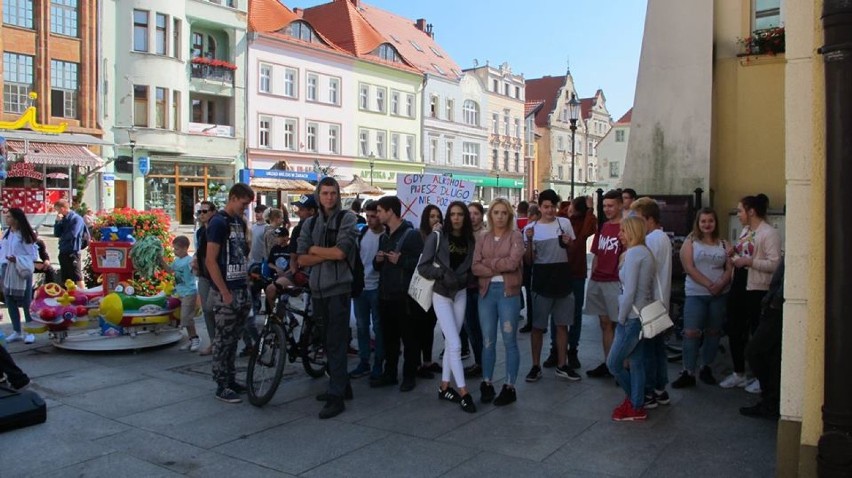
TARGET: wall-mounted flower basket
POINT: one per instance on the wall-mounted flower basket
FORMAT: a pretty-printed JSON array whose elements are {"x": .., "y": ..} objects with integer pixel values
[
  {"x": 202, "y": 60},
  {"x": 768, "y": 41}
]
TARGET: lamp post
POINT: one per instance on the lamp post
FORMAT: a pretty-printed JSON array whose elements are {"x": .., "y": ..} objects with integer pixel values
[
  {"x": 372, "y": 165},
  {"x": 573, "y": 116}
]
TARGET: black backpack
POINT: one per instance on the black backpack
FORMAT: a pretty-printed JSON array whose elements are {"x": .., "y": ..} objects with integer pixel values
[
  {"x": 357, "y": 268},
  {"x": 85, "y": 237}
]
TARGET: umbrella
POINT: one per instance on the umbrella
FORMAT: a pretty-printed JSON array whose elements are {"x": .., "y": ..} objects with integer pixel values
[
  {"x": 292, "y": 186},
  {"x": 358, "y": 186}
]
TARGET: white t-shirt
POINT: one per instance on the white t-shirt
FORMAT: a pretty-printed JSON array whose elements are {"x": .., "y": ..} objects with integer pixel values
[
  {"x": 369, "y": 248},
  {"x": 546, "y": 240},
  {"x": 661, "y": 247}
]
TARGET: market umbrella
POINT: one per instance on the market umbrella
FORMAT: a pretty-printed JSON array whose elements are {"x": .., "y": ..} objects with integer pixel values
[
  {"x": 291, "y": 186},
  {"x": 358, "y": 187},
  {"x": 57, "y": 176}
]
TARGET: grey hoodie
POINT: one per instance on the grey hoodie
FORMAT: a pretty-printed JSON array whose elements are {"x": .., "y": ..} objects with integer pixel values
[{"x": 330, "y": 278}]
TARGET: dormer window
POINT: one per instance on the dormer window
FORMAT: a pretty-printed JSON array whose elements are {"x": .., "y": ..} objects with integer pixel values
[
  {"x": 302, "y": 31},
  {"x": 388, "y": 53}
]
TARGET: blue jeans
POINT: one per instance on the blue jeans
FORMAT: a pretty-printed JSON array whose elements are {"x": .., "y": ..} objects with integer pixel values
[
  {"x": 367, "y": 310},
  {"x": 656, "y": 363},
  {"x": 497, "y": 309},
  {"x": 702, "y": 315},
  {"x": 628, "y": 346},
  {"x": 13, "y": 307}
]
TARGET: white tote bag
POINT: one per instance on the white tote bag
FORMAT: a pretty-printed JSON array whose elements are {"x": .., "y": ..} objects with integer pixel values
[
  {"x": 654, "y": 316},
  {"x": 420, "y": 288}
]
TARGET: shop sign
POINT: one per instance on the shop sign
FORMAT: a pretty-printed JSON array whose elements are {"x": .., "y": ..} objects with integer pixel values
[
  {"x": 246, "y": 175},
  {"x": 24, "y": 170},
  {"x": 144, "y": 165},
  {"x": 388, "y": 176}
]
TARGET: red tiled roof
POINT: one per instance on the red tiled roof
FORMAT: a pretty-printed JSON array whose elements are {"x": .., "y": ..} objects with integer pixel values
[
  {"x": 626, "y": 118},
  {"x": 403, "y": 34},
  {"x": 56, "y": 154},
  {"x": 269, "y": 16},
  {"x": 586, "y": 105},
  {"x": 532, "y": 107},
  {"x": 544, "y": 89},
  {"x": 345, "y": 25}
]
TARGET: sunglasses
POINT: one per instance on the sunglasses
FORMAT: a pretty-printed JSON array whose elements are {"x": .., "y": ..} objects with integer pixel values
[{"x": 203, "y": 211}]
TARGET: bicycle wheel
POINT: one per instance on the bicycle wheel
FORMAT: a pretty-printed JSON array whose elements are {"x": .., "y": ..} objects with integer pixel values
[
  {"x": 313, "y": 349},
  {"x": 266, "y": 365}
]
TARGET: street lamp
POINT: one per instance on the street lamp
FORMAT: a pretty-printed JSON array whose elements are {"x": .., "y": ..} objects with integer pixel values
[
  {"x": 372, "y": 165},
  {"x": 573, "y": 115}
]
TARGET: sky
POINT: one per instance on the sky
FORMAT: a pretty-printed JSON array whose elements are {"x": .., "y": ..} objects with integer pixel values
[{"x": 602, "y": 39}]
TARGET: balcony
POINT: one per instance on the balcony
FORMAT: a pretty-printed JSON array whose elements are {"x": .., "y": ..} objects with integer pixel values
[{"x": 211, "y": 76}]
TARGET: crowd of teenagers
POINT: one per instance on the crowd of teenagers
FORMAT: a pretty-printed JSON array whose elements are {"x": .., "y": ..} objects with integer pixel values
[{"x": 486, "y": 265}]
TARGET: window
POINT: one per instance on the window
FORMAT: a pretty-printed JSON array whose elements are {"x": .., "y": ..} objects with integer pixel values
[
  {"x": 433, "y": 150},
  {"x": 364, "y": 97},
  {"x": 17, "y": 81},
  {"x": 518, "y": 92},
  {"x": 63, "y": 89},
  {"x": 590, "y": 175},
  {"x": 140, "y": 106},
  {"x": 449, "y": 157},
  {"x": 264, "y": 124},
  {"x": 507, "y": 122},
  {"x": 333, "y": 134},
  {"x": 290, "y": 83},
  {"x": 175, "y": 118},
  {"x": 394, "y": 103},
  {"x": 560, "y": 144},
  {"x": 160, "y": 35},
  {"x": 409, "y": 106},
  {"x": 312, "y": 137},
  {"x": 495, "y": 86},
  {"x": 450, "y": 106},
  {"x": 471, "y": 112},
  {"x": 302, "y": 31},
  {"x": 438, "y": 69},
  {"x": 560, "y": 172},
  {"x": 160, "y": 108},
  {"x": 517, "y": 162},
  {"x": 590, "y": 147},
  {"x": 433, "y": 107},
  {"x": 313, "y": 80},
  {"x": 265, "y": 83},
  {"x": 380, "y": 99},
  {"x": 495, "y": 159},
  {"x": 505, "y": 160},
  {"x": 290, "y": 134},
  {"x": 197, "y": 47},
  {"x": 495, "y": 123},
  {"x": 364, "y": 141},
  {"x": 380, "y": 144},
  {"x": 613, "y": 169},
  {"x": 18, "y": 13},
  {"x": 63, "y": 17},
  {"x": 409, "y": 148},
  {"x": 436, "y": 52},
  {"x": 333, "y": 89},
  {"x": 394, "y": 146},
  {"x": 388, "y": 53},
  {"x": 580, "y": 175},
  {"x": 619, "y": 136},
  {"x": 767, "y": 14},
  {"x": 140, "y": 30},
  {"x": 470, "y": 154},
  {"x": 518, "y": 128},
  {"x": 415, "y": 45},
  {"x": 176, "y": 39}
]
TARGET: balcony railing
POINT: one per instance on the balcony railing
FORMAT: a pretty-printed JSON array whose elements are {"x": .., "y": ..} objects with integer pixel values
[
  {"x": 213, "y": 73},
  {"x": 206, "y": 129}
]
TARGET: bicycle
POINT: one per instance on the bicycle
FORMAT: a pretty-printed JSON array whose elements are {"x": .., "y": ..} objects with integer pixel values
[{"x": 285, "y": 338}]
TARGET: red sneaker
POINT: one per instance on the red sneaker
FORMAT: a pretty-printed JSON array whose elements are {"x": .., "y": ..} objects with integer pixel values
[
  {"x": 630, "y": 414},
  {"x": 618, "y": 412}
]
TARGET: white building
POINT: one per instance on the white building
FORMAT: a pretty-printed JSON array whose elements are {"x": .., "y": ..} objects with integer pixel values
[
  {"x": 612, "y": 153},
  {"x": 173, "y": 100}
]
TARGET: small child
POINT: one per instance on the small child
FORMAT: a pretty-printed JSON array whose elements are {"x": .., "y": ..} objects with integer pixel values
[
  {"x": 279, "y": 261},
  {"x": 186, "y": 290}
]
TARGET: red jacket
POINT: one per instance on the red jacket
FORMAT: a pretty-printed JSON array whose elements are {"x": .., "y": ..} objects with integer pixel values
[{"x": 584, "y": 227}]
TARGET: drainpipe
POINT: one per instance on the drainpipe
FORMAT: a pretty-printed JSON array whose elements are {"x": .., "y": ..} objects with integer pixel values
[{"x": 834, "y": 457}]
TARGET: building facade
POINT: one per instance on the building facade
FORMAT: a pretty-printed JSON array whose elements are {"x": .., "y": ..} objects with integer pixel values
[
  {"x": 173, "y": 96},
  {"x": 612, "y": 153},
  {"x": 597, "y": 122},
  {"x": 505, "y": 119}
]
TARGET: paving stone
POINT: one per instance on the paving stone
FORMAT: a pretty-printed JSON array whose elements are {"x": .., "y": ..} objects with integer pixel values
[
  {"x": 425, "y": 417},
  {"x": 134, "y": 397},
  {"x": 495, "y": 464},
  {"x": 82, "y": 380},
  {"x": 301, "y": 445},
  {"x": 228, "y": 466},
  {"x": 116, "y": 464},
  {"x": 159, "y": 450}
]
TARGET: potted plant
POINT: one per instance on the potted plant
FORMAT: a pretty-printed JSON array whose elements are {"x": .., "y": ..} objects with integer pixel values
[{"x": 766, "y": 41}]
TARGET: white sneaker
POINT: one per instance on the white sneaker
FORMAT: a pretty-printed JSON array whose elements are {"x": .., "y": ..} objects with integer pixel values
[
  {"x": 753, "y": 386},
  {"x": 194, "y": 344},
  {"x": 733, "y": 380},
  {"x": 14, "y": 337},
  {"x": 29, "y": 339},
  {"x": 185, "y": 345}
]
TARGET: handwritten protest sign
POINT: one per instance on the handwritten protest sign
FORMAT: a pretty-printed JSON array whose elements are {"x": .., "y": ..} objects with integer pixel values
[{"x": 418, "y": 190}]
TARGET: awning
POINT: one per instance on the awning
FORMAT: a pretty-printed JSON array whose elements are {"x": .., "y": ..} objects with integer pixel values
[
  {"x": 54, "y": 154},
  {"x": 64, "y": 138},
  {"x": 289, "y": 185}
]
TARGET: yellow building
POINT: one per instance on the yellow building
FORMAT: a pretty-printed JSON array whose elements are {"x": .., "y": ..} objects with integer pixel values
[{"x": 775, "y": 122}]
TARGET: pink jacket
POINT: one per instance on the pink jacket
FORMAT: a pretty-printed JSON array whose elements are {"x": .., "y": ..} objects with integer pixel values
[
  {"x": 504, "y": 257},
  {"x": 767, "y": 256}
]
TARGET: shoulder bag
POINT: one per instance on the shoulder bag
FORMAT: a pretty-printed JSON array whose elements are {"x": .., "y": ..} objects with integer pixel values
[
  {"x": 420, "y": 288},
  {"x": 654, "y": 316}
]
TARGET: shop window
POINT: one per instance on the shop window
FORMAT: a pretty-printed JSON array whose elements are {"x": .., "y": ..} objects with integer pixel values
[
  {"x": 220, "y": 171},
  {"x": 160, "y": 193},
  {"x": 190, "y": 172},
  {"x": 159, "y": 168}
]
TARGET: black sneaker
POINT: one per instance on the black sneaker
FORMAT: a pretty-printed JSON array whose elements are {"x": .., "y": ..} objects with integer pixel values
[
  {"x": 238, "y": 388},
  {"x": 662, "y": 397},
  {"x": 526, "y": 329},
  {"x": 685, "y": 380},
  {"x": 408, "y": 384},
  {"x": 228, "y": 396},
  {"x": 383, "y": 381},
  {"x": 534, "y": 375},
  {"x": 449, "y": 395},
  {"x": 601, "y": 371},
  {"x": 760, "y": 410},
  {"x": 325, "y": 397},
  {"x": 551, "y": 361},
  {"x": 651, "y": 401},
  {"x": 473, "y": 371},
  {"x": 332, "y": 408},
  {"x": 706, "y": 375},
  {"x": 467, "y": 405},
  {"x": 567, "y": 373},
  {"x": 507, "y": 396},
  {"x": 487, "y": 393},
  {"x": 573, "y": 361}
]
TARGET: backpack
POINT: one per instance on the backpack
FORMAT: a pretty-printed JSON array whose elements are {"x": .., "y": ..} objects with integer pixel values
[
  {"x": 357, "y": 267},
  {"x": 85, "y": 237}
]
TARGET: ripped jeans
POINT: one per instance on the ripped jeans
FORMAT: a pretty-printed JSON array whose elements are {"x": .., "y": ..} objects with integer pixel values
[{"x": 497, "y": 310}]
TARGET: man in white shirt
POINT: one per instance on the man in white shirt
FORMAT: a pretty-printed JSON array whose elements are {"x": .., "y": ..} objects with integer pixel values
[
  {"x": 656, "y": 361},
  {"x": 367, "y": 304}
]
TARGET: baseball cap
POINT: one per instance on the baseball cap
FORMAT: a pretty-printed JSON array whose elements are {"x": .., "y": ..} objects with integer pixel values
[
  {"x": 306, "y": 200},
  {"x": 282, "y": 232}
]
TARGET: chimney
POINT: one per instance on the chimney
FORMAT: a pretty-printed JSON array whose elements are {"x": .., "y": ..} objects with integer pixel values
[
  {"x": 420, "y": 24},
  {"x": 298, "y": 12},
  {"x": 429, "y": 31},
  {"x": 355, "y": 3}
]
